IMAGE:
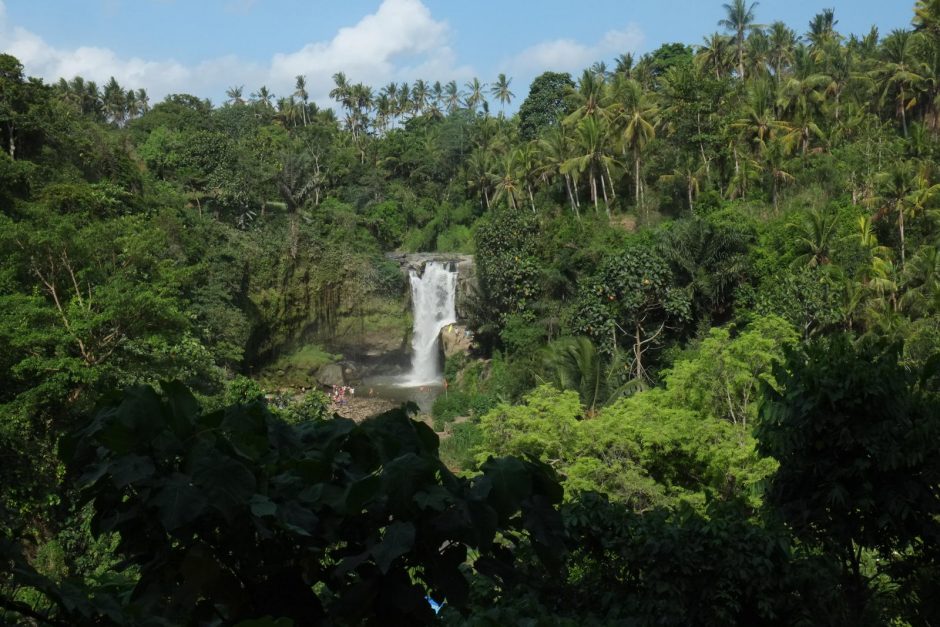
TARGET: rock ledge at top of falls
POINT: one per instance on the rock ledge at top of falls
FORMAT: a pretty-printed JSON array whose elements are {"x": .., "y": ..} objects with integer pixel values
[{"x": 417, "y": 261}]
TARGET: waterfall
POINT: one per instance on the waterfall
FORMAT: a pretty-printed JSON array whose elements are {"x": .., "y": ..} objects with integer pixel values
[{"x": 432, "y": 297}]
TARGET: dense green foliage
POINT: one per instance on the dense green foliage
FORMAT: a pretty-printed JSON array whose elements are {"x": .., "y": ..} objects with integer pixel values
[{"x": 704, "y": 382}]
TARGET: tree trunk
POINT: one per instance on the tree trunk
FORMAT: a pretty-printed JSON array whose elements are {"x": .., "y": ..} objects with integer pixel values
[
  {"x": 903, "y": 119},
  {"x": 689, "y": 190},
  {"x": 12, "y": 146},
  {"x": 574, "y": 206},
  {"x": 636, "y": 176},
  {"x": 901, "y": 231},
  {"x": 594, "y": 192},
  {"x": 638, "y": 354},
  {"x": 613, "y": 195},
  {"x": 606, "y": 202}
]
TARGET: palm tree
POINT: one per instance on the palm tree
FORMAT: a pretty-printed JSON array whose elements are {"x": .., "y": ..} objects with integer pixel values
[
  {"x": 452, "y": 97},
  {"x": 927, "y": 16},
  {"x": 525, "y": 157},
  {"x": 636, "y": 120},
  {"x": 507, "y": 182},
  {"x": 708, "y": 262},
  {"x": 263, "y": 97},
  {"x": 775, "y": 154},
  {"x": 555, "y": 150},
  {"x": 901, "y": 75},
  {"x": 689, "y": 174},
  {"x": 300, "y": 91},
  {"x": 115, "y": 103},
  {"x": 475, "y": 94},
  {"x": 404, "y": 105},
  {"x": 815, "y": 238},
  {"x": 624, "y": 65},
  {"x": 500, "y": 91},
  {"x": 800, "y": 101},
  {"x": 234, "y": 95},
  {"x": 782, "y": 46},
  {"x": 419, "y": 96},
  {"x": 574, "y": 363},
  {"x": 383, "y": 111},
  {"x": 739, "y": 20},
  {"x": 757, "y": 53},
  {"x": 587, "y": 98},
  {"x": 897, "y": 186},
  {"x": 479, "y": 167},
  {"x": 341, "y": 90},
  {"x": 922, "y": 282},
  {"x": 591, "y": 156},
  {"x": 715, "y": 55},
  {"x": 822, "y": 32},
  {"x": 143, "y": 101}
]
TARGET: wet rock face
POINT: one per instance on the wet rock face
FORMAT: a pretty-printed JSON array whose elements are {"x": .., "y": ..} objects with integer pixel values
[
  {"x": 455, "y": 339},
  {"x": 464, "y": 264}
]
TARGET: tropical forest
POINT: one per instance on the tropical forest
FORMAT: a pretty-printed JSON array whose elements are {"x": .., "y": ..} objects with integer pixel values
[{"x": 656, "y": 343}]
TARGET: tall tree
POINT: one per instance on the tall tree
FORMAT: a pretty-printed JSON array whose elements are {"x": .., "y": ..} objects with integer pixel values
[
  {"x": 300, "y": 92},
  {"x": 501, "y": 92},
  {"x": 739, "y": 20}
]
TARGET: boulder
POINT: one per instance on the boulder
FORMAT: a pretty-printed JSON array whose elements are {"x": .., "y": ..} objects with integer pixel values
[
  {"x": 455, "y": 339},
  {"x": 330, "y": 375}
]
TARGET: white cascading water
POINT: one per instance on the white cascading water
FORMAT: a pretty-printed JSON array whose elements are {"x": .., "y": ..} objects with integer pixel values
[{"x": 432, "y": 297}]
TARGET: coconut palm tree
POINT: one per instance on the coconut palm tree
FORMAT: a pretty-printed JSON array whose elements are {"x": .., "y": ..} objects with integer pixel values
[
  {"x": 508, "y": 184},
  {"x": 739, "y": 20},
  {"x": 287, "y": 112},
  {"x": 419, "y": 96},
  {"x": 404, "y": 106},
  {"x": 782, "y": 46},
  {"x": 822, "y": 33},
  {"x": 554, "y": 150},
  {"x": 715, "y": 55},
  {"x": 263, "y": 97},
  {"x": 234, "y": 95},
  {"x": 452, "y": 97},
  {"x": 624, "y": 65},
  {"x": 474, "y": 97},
  {"x": 689, "y": 175},
  {"x": 927, "y": 16},
  {"x": 500, "y": 91},
  {"x": 480, "y": 166},
  {"x": 636, "y": 119},
  {"x": 815, "y": 238},
  {"x": 897, "y": 184},
  {"x": 588, "y": 98},
  {"x": 300, "y": 92},
  {"x": 922, "y": 282},
  {"x": 341, "y": 90},
  {"x": 591, "y": 157},
  {"x": 901, "y": 74}
]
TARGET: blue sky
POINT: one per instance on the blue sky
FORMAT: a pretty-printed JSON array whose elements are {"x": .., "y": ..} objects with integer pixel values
[{"x": 204, "y": 46}]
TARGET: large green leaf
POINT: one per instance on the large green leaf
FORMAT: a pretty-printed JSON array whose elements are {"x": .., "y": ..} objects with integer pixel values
[
  {"x": 505, "y": 483},
  {"x": 226, "y": 482},
  {"x": 398, "y": 539},
  {"x": 178, "y": 501}
]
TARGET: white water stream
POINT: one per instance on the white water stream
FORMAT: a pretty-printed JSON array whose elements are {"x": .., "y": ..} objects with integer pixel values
[{"x": 432, "y": 297}]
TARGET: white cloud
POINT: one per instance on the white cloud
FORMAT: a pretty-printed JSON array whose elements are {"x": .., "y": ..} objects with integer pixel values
[
  {"x": 568, "y": 55},
  {"x": 401, "y": 41}
]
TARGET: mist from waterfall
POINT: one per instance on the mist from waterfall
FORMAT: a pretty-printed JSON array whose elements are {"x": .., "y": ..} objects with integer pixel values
[{"x": 432, "y": 296}]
